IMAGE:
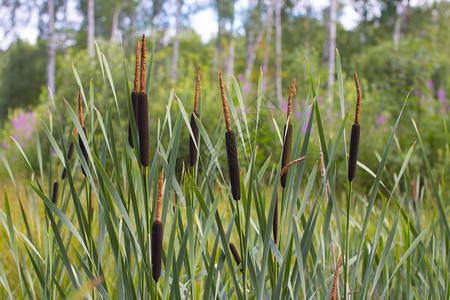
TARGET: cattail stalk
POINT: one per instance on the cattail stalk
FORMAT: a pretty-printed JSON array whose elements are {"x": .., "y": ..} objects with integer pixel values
[
  {"x": 235, "y": 253},
  {"x": 354, "y": 138},
  {"x": 144, "y": 143},
  {"x": 70, "y": 153},
  {"x": 193, "y": 147},
  {"x": 335, "y": 280},
  {"x": 157, "y": 233},
  {"x": 80, "y": 141},
  {"x": 230, "y": 141},
  {"x": 287, "y": 144},
  {"x": 135, "y": 93}
]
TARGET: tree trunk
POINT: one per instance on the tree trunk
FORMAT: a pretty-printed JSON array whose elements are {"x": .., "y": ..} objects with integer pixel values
[
  {"x": 90, "y": 29},
  {"x": 115, "y": 22},
  {"x": 51, "y": 47},
  {"x": 230, "y": 63},
  {"x": 253, "y": 47},
  {"x": 332, "y": 49},
  {"x": 278, "y": 48},
  {"x": 269, "y": 27},
  {"x": 308, "y": 30},
  {"x": 176, "y": 43},
  {"x": 401, "y": 19}
]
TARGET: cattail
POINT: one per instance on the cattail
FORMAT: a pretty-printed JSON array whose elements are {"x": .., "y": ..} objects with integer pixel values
[
  {"x": 192, "y": 148},
  {"x": 354, "y": 138},
  {"x": 135, "y": 93},
  {"x": 287, "y": 144},
  {"x": 80, "y": 141},
  {"x": 235, "y": 253},
  {"x": 56, "y": 187},
  {"x": 275, "y": 222},
  {"x": 69, "y": 154},
  {"x": 143, "y": 111},
  {"x": 230, "y": 141},
  {"x": 157, "y": 233},
  {"x": 335, "y": 280}
]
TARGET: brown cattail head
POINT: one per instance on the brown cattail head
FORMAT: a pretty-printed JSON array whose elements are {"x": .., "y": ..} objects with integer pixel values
[
  {"x": 143, "y": 61},
  {"x": 335, "y": 280},
  {"x": 233, "y": 164},
  {"x": 226, "y": 112},
  {"x": 55, "y": 191},
  {"x": 135, "y": 93},
  {"x": 156, "y": 249},
  {"x": 275, "y": 222},
  {"x": 287, "y": 147},
  {"x": 197, "y": 91},
  {"x": 134, "y": 103},
  {"x": 84, "y": 151},
  {"x": 159, "y": 197},
  {"x": 80, "y": 141},
  {"x": 353, "y": 156},
  {"x": 235, "y": 253},
  {"x": 358, "y": 99},
  {"x": 292, "y": 94},
  {"x": 144, "y": 142},
  {"x": 137, "y": 67},
  {"x": 70, "y": 153},
  {"x": 193, "y": 151}
]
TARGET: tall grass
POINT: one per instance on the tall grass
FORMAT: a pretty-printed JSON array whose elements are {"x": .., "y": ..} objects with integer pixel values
[{"x": 65, "y": 248}]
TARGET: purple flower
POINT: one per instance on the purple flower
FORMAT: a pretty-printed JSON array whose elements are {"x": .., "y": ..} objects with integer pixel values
[
  {"x": 241, "y": 78},
  {"x": 298, "y": 114},
  {"x": 441, "y": 95},
  {"x": 416, "y": 93},
  {"x": 247, "y": 111},
  {"x": 247, "y": 87},
  {"x": 430, "y": 84},
  {"x": 380, "y": 120},
  {"x": 284, "y": 106},
  {"x": 5, "y": 145},
  {"x": 14, "y": 159},
  {"x": 319, "y": 99}
]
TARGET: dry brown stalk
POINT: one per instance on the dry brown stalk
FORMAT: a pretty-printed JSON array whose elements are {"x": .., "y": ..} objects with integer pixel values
[
  {"x": 358, "y": 99},
  {"x": 226, "y": 112},
  {"x": 197, "y": 92}
]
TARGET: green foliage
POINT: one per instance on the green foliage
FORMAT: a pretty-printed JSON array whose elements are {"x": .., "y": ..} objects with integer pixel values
[{"x": 22, "y": 74}]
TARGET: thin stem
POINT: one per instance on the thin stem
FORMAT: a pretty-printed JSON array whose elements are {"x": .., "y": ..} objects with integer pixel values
[{"x": 349, "y": 197}]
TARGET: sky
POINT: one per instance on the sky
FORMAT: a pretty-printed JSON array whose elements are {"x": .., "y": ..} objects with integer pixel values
[{"x": 203, "y": 22}]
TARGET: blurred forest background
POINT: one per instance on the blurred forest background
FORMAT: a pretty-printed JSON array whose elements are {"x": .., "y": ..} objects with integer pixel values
[{"x": 396, "y": 46}]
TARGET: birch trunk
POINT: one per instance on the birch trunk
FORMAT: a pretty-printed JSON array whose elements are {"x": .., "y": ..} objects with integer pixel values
[
  {"x": 332, "y": 49},
  {"x": 90, "y": 29},
  {"x": 269, "y": 27},
  {"x": 278, "y": 48},
  {"x": 176, "y": 43},
  {"x": 51, "y": 47},
  {"x": 115, "y": 22}
]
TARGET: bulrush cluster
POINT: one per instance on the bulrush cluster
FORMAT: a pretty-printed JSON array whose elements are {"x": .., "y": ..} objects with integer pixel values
[
  {"x": 193, "y": 150},
  {"x": 70, "y": 153},
  {"x": 235, "y": 253},
  {"x": 287, "y": 144},
  {"x": 80, "y": 141},
  {"x": 56, "y": 187},
  {"x": 335, "y": 280},
  {"x": 230, "y": 141},
  {"x": 135, "y": 93},
  {"x": 157, "y": 233},
  {"x": 144, "y": 145},
  {"x": 354, "y": 138}
]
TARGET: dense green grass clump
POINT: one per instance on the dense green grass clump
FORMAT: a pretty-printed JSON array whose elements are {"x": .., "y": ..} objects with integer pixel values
[{"x": 120, "y": 233}]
